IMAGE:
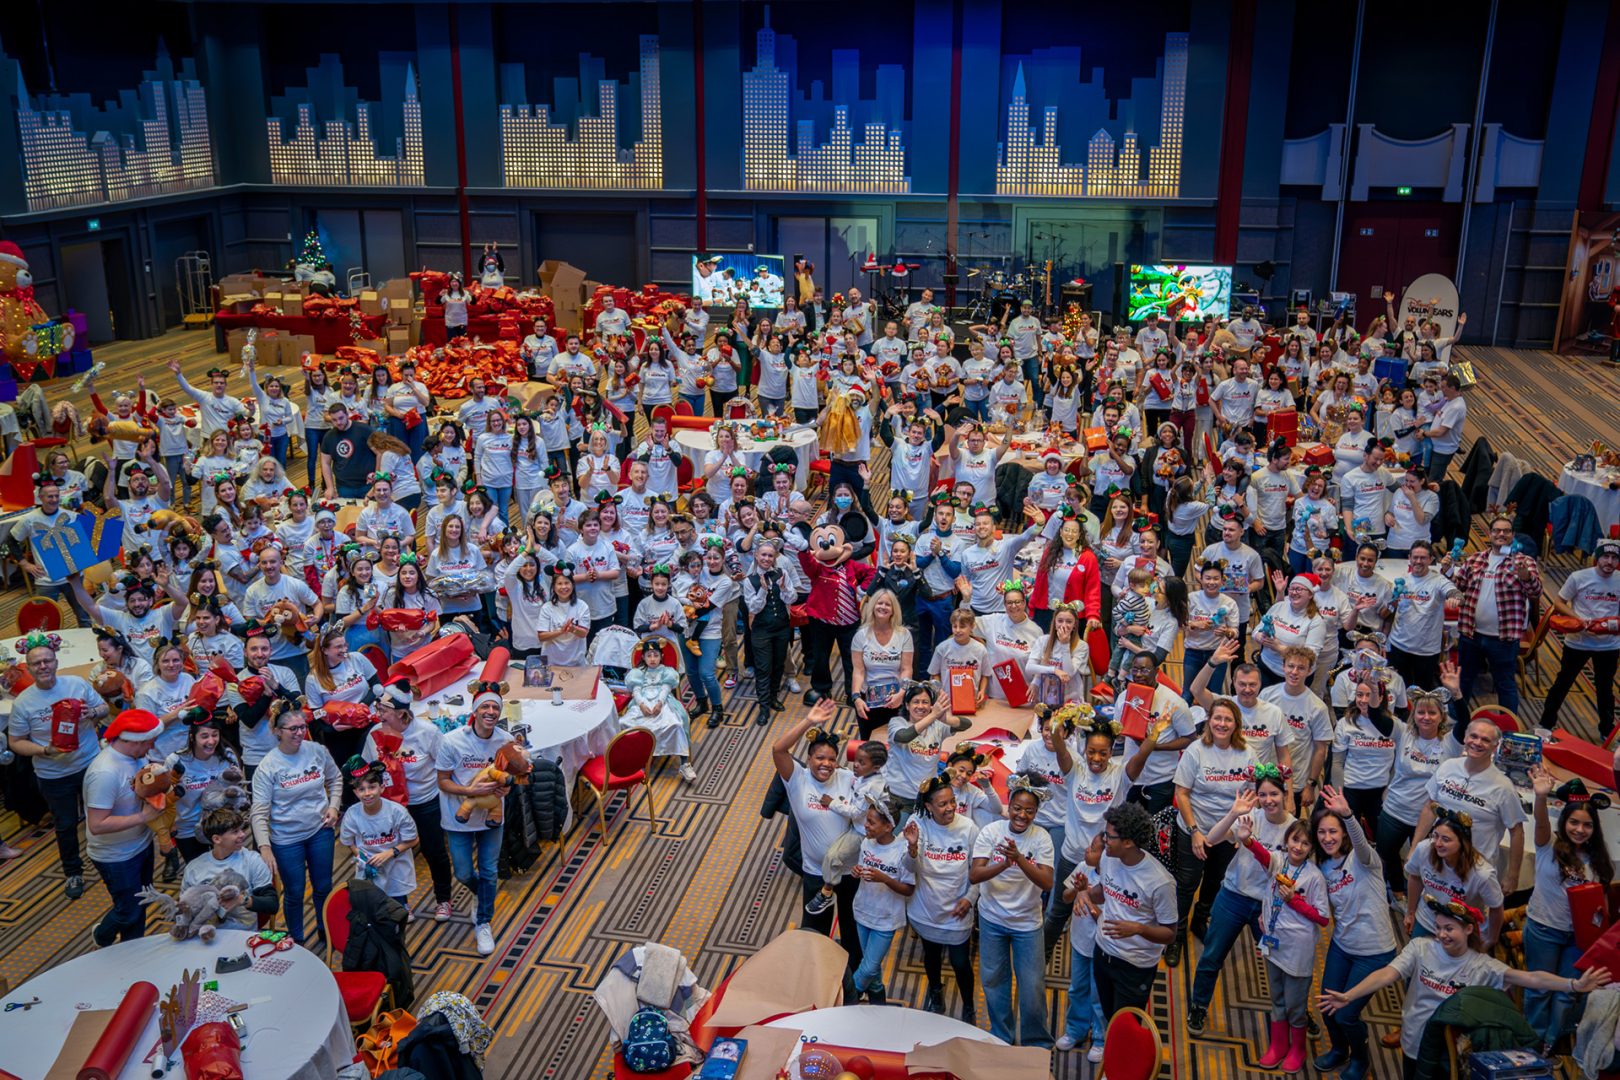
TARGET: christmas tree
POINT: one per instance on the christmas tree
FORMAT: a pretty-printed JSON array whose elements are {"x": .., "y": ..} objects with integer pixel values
[{"x": 313, "y": 255}]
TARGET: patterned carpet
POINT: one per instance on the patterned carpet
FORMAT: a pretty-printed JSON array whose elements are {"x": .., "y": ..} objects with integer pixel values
[{"x": 707, "y": 878}]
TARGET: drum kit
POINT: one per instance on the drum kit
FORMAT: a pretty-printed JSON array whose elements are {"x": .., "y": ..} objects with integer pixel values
[{"x": 1000, "y": 291}]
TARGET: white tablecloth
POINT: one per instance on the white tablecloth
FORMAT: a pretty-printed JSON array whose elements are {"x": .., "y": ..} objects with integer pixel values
[
  {"x": 881, "y": 1027},
  {"x": 802, "y": 440},
  {"x": 78, "y": 649},
  {"x": 300, "y": 1033},
  {"x": 1595, "y": 486},
  {"x": 570, "y": 734}
]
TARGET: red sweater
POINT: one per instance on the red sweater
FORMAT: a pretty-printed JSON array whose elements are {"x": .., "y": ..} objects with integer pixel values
[{"x": 825, "y": 581}]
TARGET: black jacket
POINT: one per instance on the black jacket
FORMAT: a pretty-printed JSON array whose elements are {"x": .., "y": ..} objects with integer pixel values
[
  {"x": 776, "y": 802},
  {"x": 377, "y": 939},
  {"x": 1012, "y": 484},
  {"x": 1452, "y": 519},
  {"x": 432, "y": 1050},
  {"x": 1532, "y": 497},
  {"x": 1476, "y": 469}
]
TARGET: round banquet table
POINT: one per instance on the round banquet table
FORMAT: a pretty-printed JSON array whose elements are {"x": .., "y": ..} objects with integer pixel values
[
  {"x": 801, "y": 440},
  {"x": 1595, "y": 486},
  {"x": 296, "y": 1027},
  {"x": 881, "y": 1027},
  {"x": 569, "y": 734},
  {"x": 78, "y": 650}
]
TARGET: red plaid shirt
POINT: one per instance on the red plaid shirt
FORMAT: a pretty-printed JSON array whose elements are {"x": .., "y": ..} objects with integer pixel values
[{"x": 1514, "y": 597}]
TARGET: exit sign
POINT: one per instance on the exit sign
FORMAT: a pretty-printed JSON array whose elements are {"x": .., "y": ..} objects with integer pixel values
[
  {"x": 1403, "y": 190},
  {"x": 94, "y": 224}
]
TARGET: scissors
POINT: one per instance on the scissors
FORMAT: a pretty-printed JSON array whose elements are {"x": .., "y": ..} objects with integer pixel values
[
  {"x": 13, "y": 1006},
  {"x": 277, "y": 940}
]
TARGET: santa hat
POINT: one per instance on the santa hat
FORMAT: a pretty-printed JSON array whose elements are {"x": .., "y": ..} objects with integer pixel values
[
  {"x": 11, "y": 253},
  {"x": 1310, "y": 581},
  {"x": 487, "y": 697},
  {"x": 1051, "y": 452},
  {"x": 858, "y": 388},
  {"x": 136, "y": 725}
]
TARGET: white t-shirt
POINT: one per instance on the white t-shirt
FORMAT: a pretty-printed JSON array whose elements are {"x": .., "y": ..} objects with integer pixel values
[
  {"x": 1091, "y": 795},
  {"x": 944, "y": 854},
  {"x": 1010, "y": 899},
  {"x": 878, "y": 907},
  {"x": 1416, "y": 760},
  {"x": 1433, "y": 976},
  {"x": 371, "y": 833},
  {"x": 1369, "y": 755},
  {"x": 418, "y": 754},
  {"x": 1549, "y": 900},
  {"x": 1004, "y": 641},
  {"x": 1488, "y": 796},
  {"x": 819, "y": 825},
  {"x": 1144, "y": 893},
  {"x": 1480, "y": 889},
  {"x": 1420, "y": 614},
  {"x": 882, "y": 661},
  {"x": 1264, "y": 730},
  {"x": 250, "y": 864},
  {"x": 463, "y": 754},
  {"x": 31, "y": 719},
  {"x": 1453, "y": 415},
  {"x": 1213, "y": 777},
  {"x": 1237, "y": 400},
  {"x": 293, "y": 790},
  {"x": 1306, "y": 721},
  {"x": 109, "y": 786},
  {"x": 1242, "y": 567},
  {"x": 1407, "y": 530},
  {"x": 1592, "y": 596}
]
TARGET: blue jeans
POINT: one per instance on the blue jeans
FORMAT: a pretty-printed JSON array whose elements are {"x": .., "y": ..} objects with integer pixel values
[
  {"x": 1546, "y": 949},
  {"x": 486, "y": 843},
  {"x": 312, "y": 456},
  {"x": 179, "y": 477},
  {"x": 1180, "y": 550},
  {"x": 874, "y": 949},
  {"x": 502, "y": 498},
  {"x": 933, "y": 627},
  {"x": 1192, "y": 662},
  {"x": 772, "y": 406},
  {"x": 698, "y": 401},
  {"x": 1341, "y": 971},
  {"x": 127, "y": 919},
  {"x": 311, "y": 858},
  {"x": 1085, "y": 1017},
  {"x": 979, "y": 410},
  {"x": 278, "y": 448},
  {"x": 1298, "y": 562},
  {"x": 706, "y": 687},
  {"x": 1031, "y": 366},
  {"x": 1005, "y": 955},
  {"x": 1230, "y": 913},
  {"x": 1500, "y": 656}
]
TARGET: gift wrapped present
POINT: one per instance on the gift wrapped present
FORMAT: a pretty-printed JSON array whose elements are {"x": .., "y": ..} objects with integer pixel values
[{"x": 461, "y": 583}]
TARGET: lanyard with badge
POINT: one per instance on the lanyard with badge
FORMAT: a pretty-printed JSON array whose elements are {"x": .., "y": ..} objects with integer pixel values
[{"x": 1269, "y": 940}]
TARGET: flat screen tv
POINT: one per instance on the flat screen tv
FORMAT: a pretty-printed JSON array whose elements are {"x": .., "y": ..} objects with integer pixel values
[
  {"x": 719, "y": 278},
  {"x": 1191, "y": 291}
]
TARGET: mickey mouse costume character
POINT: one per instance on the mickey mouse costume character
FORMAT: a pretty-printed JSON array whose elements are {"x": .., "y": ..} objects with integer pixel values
[{"x": 834, "y": 604}]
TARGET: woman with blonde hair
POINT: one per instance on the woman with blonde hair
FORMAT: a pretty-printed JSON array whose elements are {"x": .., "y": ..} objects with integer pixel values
[
  {"x": 455, "y": 553},
  {"x": 881, "y": 657}
]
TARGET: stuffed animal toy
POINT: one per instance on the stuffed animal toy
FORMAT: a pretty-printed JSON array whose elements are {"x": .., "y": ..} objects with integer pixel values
[
  {"x": 284, "y": 615},
  {"x": 163, "y": 520},
  {"x": 511, "y": 766},
  {"x": 19, "y": 311},
  {"x": 114, "y": 687},
  {"x": 158, "y": 784},
  {"x": 227, "y": 791},
  {"x": 200, "y": 909}
]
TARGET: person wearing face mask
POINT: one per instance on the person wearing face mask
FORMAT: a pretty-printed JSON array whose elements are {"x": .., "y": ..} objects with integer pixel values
[
  {"x": 1590, "y": 593},
  {"x": 1500, "y": 588}
]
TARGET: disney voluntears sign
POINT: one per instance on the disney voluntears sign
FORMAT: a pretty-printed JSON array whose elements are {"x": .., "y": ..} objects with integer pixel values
[{"x": 1431, "y": 298}]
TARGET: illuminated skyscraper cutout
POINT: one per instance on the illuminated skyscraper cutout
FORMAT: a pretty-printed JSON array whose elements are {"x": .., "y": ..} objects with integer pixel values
[
  {"x": 536, "y": 151},
  {"x": 153, "y": 141},
  {"x": 875, "y": 165},
  {"x": 345, "y": 155},
  {"x": 1031, "y": 166}
]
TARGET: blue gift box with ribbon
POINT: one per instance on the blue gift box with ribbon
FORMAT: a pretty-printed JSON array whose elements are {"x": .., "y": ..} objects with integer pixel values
[{"x": 75, "y": 545}]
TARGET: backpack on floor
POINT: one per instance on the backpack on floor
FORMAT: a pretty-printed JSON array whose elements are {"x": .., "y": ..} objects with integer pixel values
[{"x": 648, "y": 1045}]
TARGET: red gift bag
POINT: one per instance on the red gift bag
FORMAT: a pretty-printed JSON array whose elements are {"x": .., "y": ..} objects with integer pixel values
[
  {"x": 212, "y": 1052},
  {"x": 67, "y": 717},
  {"x": 964, "y": 691},
  {"x": 1097, "y": 646},
  {"x": 1604, "y": 952},
  {"x": 388, "y": 744},
  {"x": 1011, "y": 677},
  {"x": 1588, "y": 911},
  {"x": 435, "y": 665},
  {"x": 1135, "y": 710}
]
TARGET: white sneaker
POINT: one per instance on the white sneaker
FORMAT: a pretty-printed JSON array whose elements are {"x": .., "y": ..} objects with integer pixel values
[
  {"x": 688, "y": 773},
  {"x": 1065, "y": 1043},
  {"x": 794, "y": 687},
  {"x": 1094, "y": 1055},
  {"x": 486, "y": 940}
]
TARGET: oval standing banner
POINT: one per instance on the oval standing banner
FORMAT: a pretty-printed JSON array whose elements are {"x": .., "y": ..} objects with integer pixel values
[{"x": 1432, "y": 297}]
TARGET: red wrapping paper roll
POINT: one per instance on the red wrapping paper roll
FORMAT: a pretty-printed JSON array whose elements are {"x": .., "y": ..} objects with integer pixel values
[
  {"x": 124, "y": 1030},
  {"x": 212, "y": 1052},
  {"x": 495, "y": 666}
]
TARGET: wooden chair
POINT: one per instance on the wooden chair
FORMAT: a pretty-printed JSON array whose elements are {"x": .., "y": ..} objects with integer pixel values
[
  {"x": 1530, "y": 652},
  {"x": 620, "y": 768},
  {"x": 1132, "y": 1048},
  {"x": 364, "y": 992},
  {"x": 40, "y": 613}
]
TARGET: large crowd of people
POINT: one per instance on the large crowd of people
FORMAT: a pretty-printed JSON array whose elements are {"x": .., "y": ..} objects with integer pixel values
[{"x": 1047, "y": 483}]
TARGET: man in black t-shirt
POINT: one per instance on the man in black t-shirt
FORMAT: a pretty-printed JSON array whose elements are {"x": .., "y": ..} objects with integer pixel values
[{"x": 346, "y": 460}]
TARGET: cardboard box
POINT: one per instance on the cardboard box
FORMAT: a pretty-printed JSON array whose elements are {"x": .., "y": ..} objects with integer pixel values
[
  {"x": 372, "y": 302},
  {"x": 401, "y": 288},
  {"x": 292, "y": 303},
  {"x": 399, "y": 339},
  {"x": 273, "y": 300},
  {"x": 291, "y": 349},
  {"x": 401, "y": 311}
]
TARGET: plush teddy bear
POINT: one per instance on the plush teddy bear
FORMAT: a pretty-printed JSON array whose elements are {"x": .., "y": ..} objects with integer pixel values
[
  {"x": 159, "y": 784},
  {"x": 284, "y": 615},
  {"x": 511, "y": 766},
  {"x": 227, "y": 791},
  {"x": 202, "y": 908},
  {"x": 19, "y": 311}
]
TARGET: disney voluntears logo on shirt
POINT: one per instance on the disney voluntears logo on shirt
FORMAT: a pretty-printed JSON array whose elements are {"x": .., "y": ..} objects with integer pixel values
[
  {"x": 313, "y": 774},
  {"x": 1238, "y": 774},
  {"x": 954, "y": 853},
  {"x": 1442, "y": 986},
  {"x": 1129, "y": 897},
  {"x": 1451, "y": 789}
]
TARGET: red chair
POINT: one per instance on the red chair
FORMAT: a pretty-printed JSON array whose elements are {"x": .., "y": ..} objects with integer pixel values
[
  {"x": 685, "y": 474},
  {"x": 363, "y": 992},
  {"x": 683, "y": 407},
  {"x": 39, "y": 613},
  {"x": 665, "y": 412},
  {"x": 737, "y": 408},
  {"x": 851, "y": 747},
  {"x": 620, "y": 768},
  {"x": 1132, "y": 1049},
  {"x": 379, "y": 661}
]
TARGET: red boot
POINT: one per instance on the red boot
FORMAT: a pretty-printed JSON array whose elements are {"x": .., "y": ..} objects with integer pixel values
[
  {"x": 1279, "y": 1046},
  {"x": 1295, "y": 1061}
]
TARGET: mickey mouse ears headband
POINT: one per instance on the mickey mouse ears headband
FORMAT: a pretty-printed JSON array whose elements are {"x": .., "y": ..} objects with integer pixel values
[
  {"x": 1459, "y": 818},
  {"x": 37, "y": 639},
  {"x": 1454, "y": 908},
  {"x": 1028, "y": 783}
]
